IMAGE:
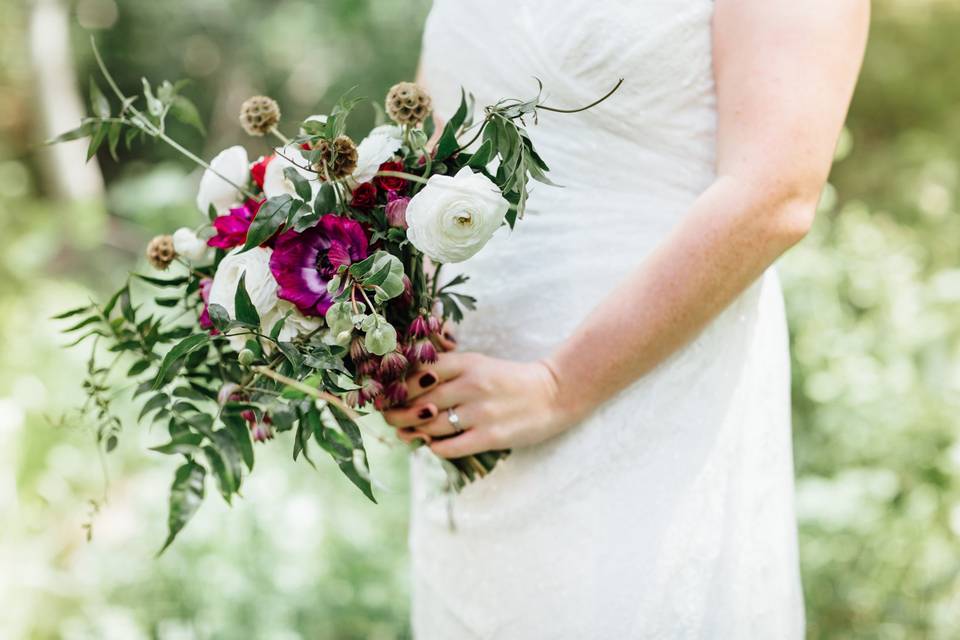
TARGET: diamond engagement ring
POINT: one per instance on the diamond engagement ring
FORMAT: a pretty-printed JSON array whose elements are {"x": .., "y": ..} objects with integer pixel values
[{"x": 454, "y": 420}]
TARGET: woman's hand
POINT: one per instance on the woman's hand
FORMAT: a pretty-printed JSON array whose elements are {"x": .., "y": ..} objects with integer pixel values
[{"x": 500, "y": 404}]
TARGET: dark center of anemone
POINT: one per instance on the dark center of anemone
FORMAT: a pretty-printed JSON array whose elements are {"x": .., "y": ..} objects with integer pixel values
[{"x": 326, "y": 268}]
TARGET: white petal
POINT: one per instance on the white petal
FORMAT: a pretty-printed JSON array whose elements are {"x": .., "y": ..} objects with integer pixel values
[
  {"x": 231, "y": 164},
  {"x": 275, "y": 183},
  {"x": 373, "y": 151}
]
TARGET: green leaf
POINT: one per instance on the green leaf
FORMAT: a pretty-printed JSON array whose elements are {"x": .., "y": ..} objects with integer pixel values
[
  {"x": 82, "y": 131},
  {"x": 218, "y": 316},
  {"x": 186, "y": 495},
  {"x": 448, "y": 139},
  {"x": 113, "y": 138},
  {"x": 83, "y": 323},
  {"x": 154, "y": 403},
  {"x": 290, "y": 352},
  {"x": 126, "y": 308},
  {"x": 273, "y": 214},
  {"x": 300, "y": 184},
  {"x": 326, "y": 201},
  {"x": 138, "y": 367},
  {"x": 154, "y": 106},
  {"x": 99, "y": 134},
  {"x": 163, "y": 282},
  {"x": 224, "y": 458},
  {"x": 186, "y": 112},
  {"x": 482, "y": 157},
  {"x": 237, "y": 427},
  {"x": 98, "y": 102},
  {"x": 356, "y": 467},
  {"x": 72, "y": 312},
  {"x": 178, "y": 351},
  {"x": 246, "y": 312},
  {"x": 186, "y": 443}
]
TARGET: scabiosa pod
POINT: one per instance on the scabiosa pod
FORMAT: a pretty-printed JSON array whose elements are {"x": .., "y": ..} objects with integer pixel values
[
  {"x": 161, "y": 253},
  {"x": 259, "y": 115}
]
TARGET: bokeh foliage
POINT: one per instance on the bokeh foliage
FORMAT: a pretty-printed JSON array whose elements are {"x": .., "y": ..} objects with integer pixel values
[{"x": 873, "y": 297}]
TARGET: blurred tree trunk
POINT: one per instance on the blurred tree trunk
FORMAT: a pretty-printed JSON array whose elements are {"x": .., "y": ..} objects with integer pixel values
[{"x": 65, "y": 171}]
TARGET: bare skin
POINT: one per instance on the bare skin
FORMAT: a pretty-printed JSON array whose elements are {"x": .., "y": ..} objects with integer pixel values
[{"x": 785, "y": 73}]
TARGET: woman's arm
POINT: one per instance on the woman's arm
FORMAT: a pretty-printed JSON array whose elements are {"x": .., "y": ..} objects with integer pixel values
[{"x": 785, "y": 72}]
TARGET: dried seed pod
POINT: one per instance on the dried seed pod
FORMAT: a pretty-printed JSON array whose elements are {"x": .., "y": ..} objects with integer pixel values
[
  {"x": 337, "y": 159},
  {"x": 160, "y": 252},
  {"x": 407, "y": 103},
  {"x": 259, "y": 115}
]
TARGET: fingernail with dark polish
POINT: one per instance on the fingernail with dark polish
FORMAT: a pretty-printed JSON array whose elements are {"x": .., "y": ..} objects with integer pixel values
[
  {"x": 425, "y": 413},
  {"x": 449, "y": 336},
  {"x": 427, "y": 380}
]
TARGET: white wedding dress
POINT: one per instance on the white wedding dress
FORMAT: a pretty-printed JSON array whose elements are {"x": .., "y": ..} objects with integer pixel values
[{"x": 669, "y": 513}]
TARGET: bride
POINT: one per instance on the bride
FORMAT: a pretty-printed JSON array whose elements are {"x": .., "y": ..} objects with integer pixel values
[{"x": 631, "y": 347}]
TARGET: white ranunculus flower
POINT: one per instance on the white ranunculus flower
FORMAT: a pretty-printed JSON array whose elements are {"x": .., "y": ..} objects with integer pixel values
[
  {"x": 450, "y": 219},
  {"x": 232, "y": 163},
  {"x": 260, "y": 284},
  {"x": 262, "y": 289},
  {"x": 372, "y": 152},
  {"x": 276, "y": 184},
  {"x": 296, "y": 323},
  {"x": 189, "y": 245}
]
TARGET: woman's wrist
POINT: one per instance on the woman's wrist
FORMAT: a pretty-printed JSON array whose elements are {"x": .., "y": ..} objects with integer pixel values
[{"x": 572, "y": 402}]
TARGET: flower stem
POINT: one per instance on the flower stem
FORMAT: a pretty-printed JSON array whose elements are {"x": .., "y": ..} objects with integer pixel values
[
  {"x": 589, "y": 106},
  {"x": 282, "y": 138},
  {"x": 404, "y": 175},
  {"x": 148, "y": 127},
  {"x": 307, "y": 389}
]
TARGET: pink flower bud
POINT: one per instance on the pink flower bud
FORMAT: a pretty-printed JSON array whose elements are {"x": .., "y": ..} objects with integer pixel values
[
  {"x": 397, "y": 212},
  {"x": 422, "y": 351},
  {"x": 352, "y": 398},
  {"x": 358, "y": 352},
  {"x": 369, "y": 367},
  {"x": 369, "y": 389},
  {"x": 418, "y": 328},
  {"x": 227, "y": 393},
  {"x": 433, "y": 324},
  {"x": 396, "y": 392},
  {"x": 393, "y": 365}
]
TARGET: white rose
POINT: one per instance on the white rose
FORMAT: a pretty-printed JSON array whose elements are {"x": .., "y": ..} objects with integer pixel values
[
  {"x": 187, "y": 244},
  {"x": 451, "y": 219},
  {"x": 372, "y": 152},
  {"x": 276, "y": 184},
  {"x": 232, "y": 163}
]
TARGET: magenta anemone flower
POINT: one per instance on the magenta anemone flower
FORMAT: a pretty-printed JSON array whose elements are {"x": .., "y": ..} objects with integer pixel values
[
  {"x": 232, "y": 228},
  {"x": 304, "y": 262}
]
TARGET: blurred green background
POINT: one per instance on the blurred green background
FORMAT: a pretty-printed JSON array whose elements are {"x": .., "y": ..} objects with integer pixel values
[{"x": 873, "y": 298}]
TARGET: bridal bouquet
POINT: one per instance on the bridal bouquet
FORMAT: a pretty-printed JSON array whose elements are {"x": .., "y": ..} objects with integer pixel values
[{"x": 313, "y": 288}]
